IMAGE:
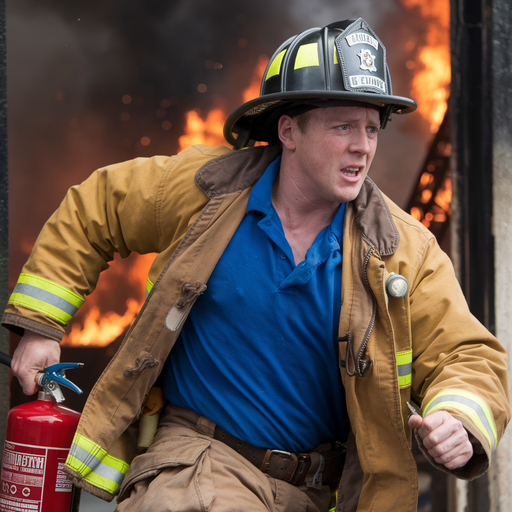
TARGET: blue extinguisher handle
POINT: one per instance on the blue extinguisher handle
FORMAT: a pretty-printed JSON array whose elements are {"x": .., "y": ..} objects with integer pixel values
[{"x": 55, "y": 373}]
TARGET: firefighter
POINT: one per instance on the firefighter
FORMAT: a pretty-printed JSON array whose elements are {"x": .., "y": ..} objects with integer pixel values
[{"x": 294, "y": 312}]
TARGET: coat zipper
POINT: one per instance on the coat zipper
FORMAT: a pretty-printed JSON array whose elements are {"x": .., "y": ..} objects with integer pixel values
[{"x": 361, "y": 364}]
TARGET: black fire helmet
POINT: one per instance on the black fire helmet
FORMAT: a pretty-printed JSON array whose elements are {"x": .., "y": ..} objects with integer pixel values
[{"x": 342, "y": 64}]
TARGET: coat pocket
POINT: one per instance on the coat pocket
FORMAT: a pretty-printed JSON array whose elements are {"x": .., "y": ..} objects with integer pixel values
[{"x": 173, "y": 452}]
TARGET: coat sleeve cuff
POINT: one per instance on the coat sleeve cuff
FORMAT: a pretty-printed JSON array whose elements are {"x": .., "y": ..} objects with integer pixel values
[{"x": 18, "y": 324}]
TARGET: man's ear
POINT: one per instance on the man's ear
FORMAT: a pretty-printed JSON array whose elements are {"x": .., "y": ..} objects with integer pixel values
[{"x": 286, "y": 127}]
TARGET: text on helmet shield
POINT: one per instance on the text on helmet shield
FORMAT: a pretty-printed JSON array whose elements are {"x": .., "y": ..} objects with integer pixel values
[
  {"x": 362, "y": 37},
  {"x": 367, "y": 81}
]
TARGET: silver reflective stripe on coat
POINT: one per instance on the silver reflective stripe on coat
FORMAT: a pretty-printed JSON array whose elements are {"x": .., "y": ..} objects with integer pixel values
[
  {"x": 45, "y": 296},
  {"x": 95, "y": 465},
  {"x": 404, "y": 368}
]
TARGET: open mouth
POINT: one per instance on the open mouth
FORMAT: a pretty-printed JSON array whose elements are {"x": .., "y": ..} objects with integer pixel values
[{"x": 351, "y": 172}]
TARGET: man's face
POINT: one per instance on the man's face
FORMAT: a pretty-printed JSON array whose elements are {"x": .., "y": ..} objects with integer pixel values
[{"x": 330, "y": 157}]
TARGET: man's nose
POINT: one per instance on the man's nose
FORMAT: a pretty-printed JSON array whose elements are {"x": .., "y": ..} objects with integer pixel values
[{"x": 360, "y": 143}]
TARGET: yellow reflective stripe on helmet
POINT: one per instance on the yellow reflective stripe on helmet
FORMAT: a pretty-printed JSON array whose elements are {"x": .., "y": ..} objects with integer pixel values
[
  {"x": 307, "y": 56},
  {"x": 404, "y": 367},
  {"x": 45, "y": 296},
  {"x": 275, "y": 67},
  {"x": 470, "y": 405},
  {"x": 95, "y": 465},
  {"x": 336, "y": 61}
]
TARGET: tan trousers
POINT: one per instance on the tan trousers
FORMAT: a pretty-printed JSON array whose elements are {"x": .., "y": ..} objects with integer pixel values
[{"x": 186, "y": 470}]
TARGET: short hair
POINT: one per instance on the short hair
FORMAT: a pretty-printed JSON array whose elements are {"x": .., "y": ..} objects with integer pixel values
[{"x": 303, "y": 121}]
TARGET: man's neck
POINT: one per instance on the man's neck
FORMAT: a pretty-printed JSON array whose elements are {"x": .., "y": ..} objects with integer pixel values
[{"x": 301, "y": 219}]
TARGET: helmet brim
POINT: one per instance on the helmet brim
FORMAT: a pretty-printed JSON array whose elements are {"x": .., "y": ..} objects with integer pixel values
[{"x": 253, "y": 115}]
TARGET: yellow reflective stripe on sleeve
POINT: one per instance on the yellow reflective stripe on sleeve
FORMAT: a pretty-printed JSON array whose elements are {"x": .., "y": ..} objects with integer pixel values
[
  {"x": 149, "y": 287},
  {"x": 335, "y": 56},
  {"x": 51, "y": 287},
  {"x": 95, "y": 465},
  {"x": 404, "y": 367},
  {"x": 307, "y": 56},
  {"x": 22, "y": 299},
  {"x": 333, "y": 509},
  {"x": 471, "y": 406},
  {"x": 275, "y": 67},
  {"x": 45, "y": 296}
]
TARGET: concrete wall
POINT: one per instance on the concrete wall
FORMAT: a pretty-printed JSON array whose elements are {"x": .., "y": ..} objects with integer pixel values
[
  {"x": 482, "y": 220},
  {"x": 500, "y": 477}
]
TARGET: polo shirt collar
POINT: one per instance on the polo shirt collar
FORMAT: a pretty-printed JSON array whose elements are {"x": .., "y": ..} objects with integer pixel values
[{"x": 261, "y": 194}]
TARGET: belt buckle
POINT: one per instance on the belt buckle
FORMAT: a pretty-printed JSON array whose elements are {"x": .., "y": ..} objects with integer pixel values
[
  {"x": 293, "y": 466},
  {"x": 291, "y": 457},
  {"x": 299, "y": 467}
]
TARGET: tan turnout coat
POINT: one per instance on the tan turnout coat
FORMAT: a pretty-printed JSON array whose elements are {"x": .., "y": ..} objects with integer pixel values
[{"x": 425, "y": 346}]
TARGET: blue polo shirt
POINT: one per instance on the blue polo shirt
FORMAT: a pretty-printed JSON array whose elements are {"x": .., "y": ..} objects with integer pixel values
[{"x": 258, "y": 353}]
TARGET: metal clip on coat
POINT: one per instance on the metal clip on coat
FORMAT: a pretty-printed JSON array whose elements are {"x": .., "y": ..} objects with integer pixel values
[
  {"x": 397, "y": 286},
  {"x": 53, "y": 375}
]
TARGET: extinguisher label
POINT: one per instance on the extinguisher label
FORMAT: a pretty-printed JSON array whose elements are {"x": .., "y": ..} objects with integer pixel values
[
  {"x": 28, "y": 474},
  {"x": 63, "y": 483}
]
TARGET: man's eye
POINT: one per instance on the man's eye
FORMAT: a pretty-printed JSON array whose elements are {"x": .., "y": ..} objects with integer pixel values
[
  {"x": 343, "y": 127},
  {"x": 372, "y": 129}
]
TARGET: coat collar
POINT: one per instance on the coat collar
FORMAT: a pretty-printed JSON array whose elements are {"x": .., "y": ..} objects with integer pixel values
[
  {"x": 373, "y": 218},
  {"x": 238, "y": 170},
  {"x": 235, "y": 171}
]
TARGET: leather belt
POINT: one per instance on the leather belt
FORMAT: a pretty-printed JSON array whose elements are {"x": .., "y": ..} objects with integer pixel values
[{"x": 324, "y": 465}]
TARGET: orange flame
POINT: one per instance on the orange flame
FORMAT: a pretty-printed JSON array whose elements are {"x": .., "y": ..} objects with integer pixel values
[
  {"x": 253, "y": 91},
  {"x": 441, "y": 209},
  {"x": 210, "y": 130},
  {"x": 198, "y": 131},
  {"x": 431, "y": 83},
  {"x": 101, "y": 329}
]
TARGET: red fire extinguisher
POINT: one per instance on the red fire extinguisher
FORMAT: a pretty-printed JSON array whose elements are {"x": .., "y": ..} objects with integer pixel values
[{"x": 38, "y": 439}]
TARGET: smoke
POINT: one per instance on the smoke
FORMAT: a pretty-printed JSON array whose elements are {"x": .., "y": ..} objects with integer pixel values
[{"x": 88, "y": 80}]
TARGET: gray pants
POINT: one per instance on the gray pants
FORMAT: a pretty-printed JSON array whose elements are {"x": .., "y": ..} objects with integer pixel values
[{"x": 186, "y": 470}]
